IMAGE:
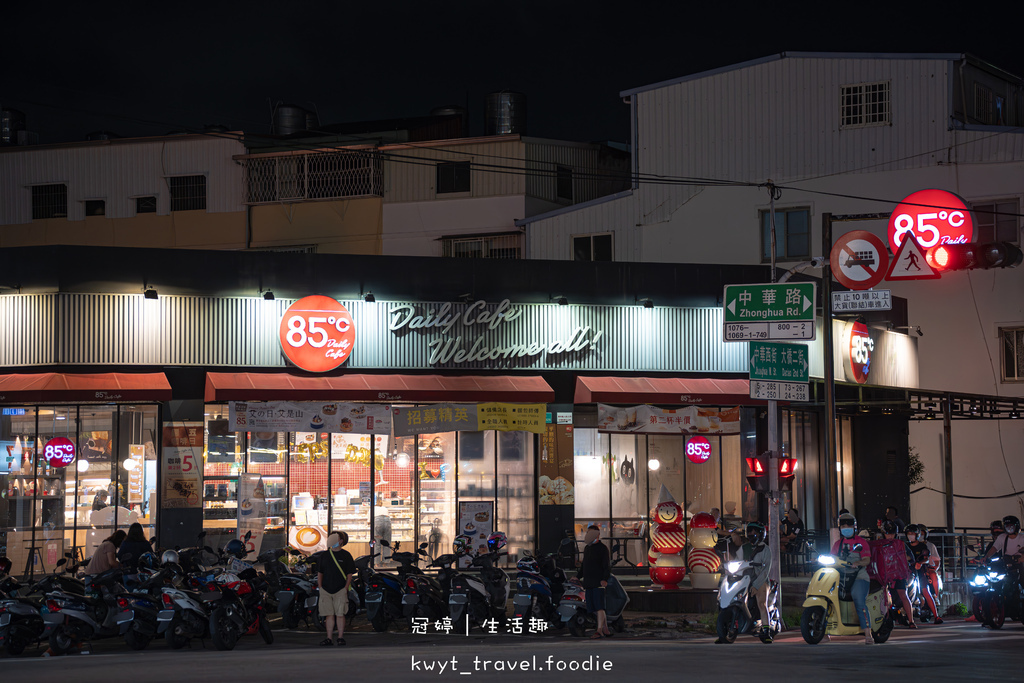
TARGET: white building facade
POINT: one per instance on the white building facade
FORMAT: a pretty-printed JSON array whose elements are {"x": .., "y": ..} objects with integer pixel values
[{"x": 843, "y": 134}]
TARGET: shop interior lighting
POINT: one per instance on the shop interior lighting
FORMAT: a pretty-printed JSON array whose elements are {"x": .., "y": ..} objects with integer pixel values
[
  {"x": 653, "y": 464},
  {"x": 130, "y": 464},
  {"x": 150, "y": 293},
  {"x": 268, "y": 295},
  {"x": 369, "y": 297},
  {"x": 83, "y": 465}
]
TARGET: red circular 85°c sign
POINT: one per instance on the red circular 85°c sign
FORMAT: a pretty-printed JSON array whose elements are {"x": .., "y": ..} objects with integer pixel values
[
  {"x": 698, "y": 449},
  {"x": 861, "y": 346},
  {"x": 932, "y": 217},
  {"x": 317, "y": 333},
  {"x": 59, "y": 452}
]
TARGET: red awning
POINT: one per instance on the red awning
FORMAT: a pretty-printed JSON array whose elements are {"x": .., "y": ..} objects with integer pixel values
[
  {"x": 74, "y": 387},
  {"x": 279, "y": 386},
  {"x": 662, "y": 390}
]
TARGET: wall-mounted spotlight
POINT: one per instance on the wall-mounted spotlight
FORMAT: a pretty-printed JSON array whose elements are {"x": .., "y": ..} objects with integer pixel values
[
  {"x": 466, "y": 298},
  {"x": 369, "y": 297},
  {"x": 645, "y": 302},
  {"x": 561, "y": 301},
  {"x": 915, "y": 328},
  {"x": 268, "y": 295},
  {"x": 150, "y": 293}
]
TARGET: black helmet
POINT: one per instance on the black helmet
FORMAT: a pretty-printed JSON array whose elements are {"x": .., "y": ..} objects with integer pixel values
[
  {"x": 996, "y": 527},
  {"x": 148, "y": 561},
  {"x": 889, "y": 527},
  {"x": 755, "y": 532},
  {"x": 847, "y": 519},
  {"x": 913, "y": 529},
  {"x": 1011, "y": 521},
  {"x": 236, "y": 548}
]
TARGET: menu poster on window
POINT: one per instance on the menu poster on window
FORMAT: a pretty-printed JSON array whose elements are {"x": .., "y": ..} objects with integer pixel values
[
  {"x": 555, "y": 483},
  {"x": 252, "y": 511},
  {"x": 476, "y": 520},
  {"x": 355, "y": 448},
  {"x": 181, "y": 462},
  {"x": 294, "y": 416},
  {"x": 650, "y": 420}
]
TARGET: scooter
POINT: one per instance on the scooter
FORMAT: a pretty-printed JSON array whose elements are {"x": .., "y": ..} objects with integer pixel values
[
  {"x": 539, "y": 588},
  {"x": 738, "y": 605},
  {"x": 238, "y": 609},
  {"x": 296, "y": 593},
  {"x": 104, "y": 612},
  {"x": 479, "y": 599},
  {"x": 572, "y": 608},
  {"x": 20, "y": 622},
  {"x": 997, "y": 592},
  {"x": 383, "y": 597},
  {"x": 183, "y": 615},
  {"x": 423, "y": 595},
  {"x": 829, "y": 608}
]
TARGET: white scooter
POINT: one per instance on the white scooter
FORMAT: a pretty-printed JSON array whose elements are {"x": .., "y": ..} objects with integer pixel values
[{"x": 739, "y": 611}]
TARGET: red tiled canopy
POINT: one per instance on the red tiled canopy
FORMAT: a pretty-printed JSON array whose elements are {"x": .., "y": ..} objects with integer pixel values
[
  {"x": 662, "y": 390},
  {"x": 74, "y": 387},
  {"x": 280, "y": 386}
]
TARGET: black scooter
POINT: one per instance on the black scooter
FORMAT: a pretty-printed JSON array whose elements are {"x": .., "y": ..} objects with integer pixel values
[
  {"x": 383, "y": 597},
  {"x": 103, "y": 611},
  {"x": 423, "y": 597}
]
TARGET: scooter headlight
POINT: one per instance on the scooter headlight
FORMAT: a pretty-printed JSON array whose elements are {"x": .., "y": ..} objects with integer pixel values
[
  {"x": 979, "y": 580},
  {"x": 995, "y": 576},
  {"x": 826, "y": 559},
  {"x": 733, "y": 567}
]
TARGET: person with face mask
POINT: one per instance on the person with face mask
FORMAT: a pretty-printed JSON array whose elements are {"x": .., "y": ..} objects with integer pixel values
[
  {"x": 846, "y": 549},
  {"x": 924, "y": 558},
  {"x": 1011, "y": 542},
  {"x": 890, "y": 531},
  {"x": 334, "y": 576}
]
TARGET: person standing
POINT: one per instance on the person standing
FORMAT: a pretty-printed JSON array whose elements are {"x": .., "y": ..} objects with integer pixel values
[
  {"x": 334, "y": 576},
  {"x": 594, "y": 573}
]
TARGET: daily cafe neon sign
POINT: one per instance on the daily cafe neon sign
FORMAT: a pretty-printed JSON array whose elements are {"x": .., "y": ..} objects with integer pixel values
[{"x": 449, "y": 349}]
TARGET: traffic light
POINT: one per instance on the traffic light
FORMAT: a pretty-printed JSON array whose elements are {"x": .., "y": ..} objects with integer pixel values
[
  {"x": 974, "y": 255},
  {"x": 758, "y": 477}
]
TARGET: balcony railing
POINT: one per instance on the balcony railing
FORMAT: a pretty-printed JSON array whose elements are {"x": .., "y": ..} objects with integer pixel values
[{"x": 312, "y": 175}]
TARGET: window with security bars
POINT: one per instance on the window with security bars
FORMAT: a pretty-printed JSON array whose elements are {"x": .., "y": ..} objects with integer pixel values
[
  {"x": 864, "y": 104},
  {"x": 312, "y": 175},
  {"x": 49, "y": 201},
  {"x": 188, "y": 192},
  {"x": 997, "y": 221},
  {"x": 1013, "y": 353},
  {"x": 792, "y": 234},
  {"x": 493, "y": 246},
  {"x": 984, "y": 109}
]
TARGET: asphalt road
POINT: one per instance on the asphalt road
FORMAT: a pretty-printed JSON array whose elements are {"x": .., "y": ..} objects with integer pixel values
[{"x": 952, "y": 651}]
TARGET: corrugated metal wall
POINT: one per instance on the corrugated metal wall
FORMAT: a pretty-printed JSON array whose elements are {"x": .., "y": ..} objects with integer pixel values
[
  {"x": 591, "y": 177},
  {"x": 551, "y": 238},
  {"x": 118, "y": 171},
  {"x": 126, "y": 329}
]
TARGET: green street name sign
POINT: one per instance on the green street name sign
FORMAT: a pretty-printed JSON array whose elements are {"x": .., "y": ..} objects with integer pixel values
[
  {"x": 779, "y": 362},
  {"x": 769, "y": 311}
]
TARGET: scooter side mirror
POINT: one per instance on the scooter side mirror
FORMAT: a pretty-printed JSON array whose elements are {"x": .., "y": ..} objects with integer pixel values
[
  {"x": 423, "y": 546},
  {"x": 61, "y": 562},
  {"x": 202, "y": 535}
]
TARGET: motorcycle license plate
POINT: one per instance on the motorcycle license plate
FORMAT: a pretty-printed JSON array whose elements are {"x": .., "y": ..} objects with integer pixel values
[
  {"x": 4, "y": 619},
  {"x": 567, "y": 611},
  {"x": 374, "y": 597},
  {"x": 523, "y": 600},
  {"x": 410, "y": 599},
  {"x": 125, "y": 617},
  {"x": 165, "y": 615},
  {"x": 458, "y": 599},
  {"x": 312, "y": 601}
]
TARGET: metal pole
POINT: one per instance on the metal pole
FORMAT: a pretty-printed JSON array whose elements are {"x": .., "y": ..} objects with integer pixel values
[
  {"x": 947, "y": 459},
  {"x": 774, "y": 540},
  {"x": 829, "y": 374}
]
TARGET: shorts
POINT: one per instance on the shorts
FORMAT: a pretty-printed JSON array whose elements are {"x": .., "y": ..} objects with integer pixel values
[
  {"x": 333, "y": 604},
  {"x": 595, "y": 599}
]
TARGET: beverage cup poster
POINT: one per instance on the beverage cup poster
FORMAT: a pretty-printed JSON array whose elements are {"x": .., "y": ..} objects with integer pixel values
[
  {"x": 650, "y": 420},
  {"x": 182, "y": 463},
  {"x": 252, "y": 512},
  {"x": 476, "y": 520}
]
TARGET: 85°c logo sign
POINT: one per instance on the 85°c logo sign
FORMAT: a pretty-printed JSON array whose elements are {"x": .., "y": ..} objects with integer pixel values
[
  {"x": 317, "y": 333},
  {"x": 932, "y": 217}
]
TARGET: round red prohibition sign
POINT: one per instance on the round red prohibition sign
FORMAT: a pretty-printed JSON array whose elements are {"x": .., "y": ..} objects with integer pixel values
[
  {"x": 317, "y": 333},
  {"x": 859, "y": 259}
]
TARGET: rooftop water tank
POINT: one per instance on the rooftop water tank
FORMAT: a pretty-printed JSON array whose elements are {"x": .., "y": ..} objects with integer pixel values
[
  {"x": 505, "y": 113},
  {"x": 11, "y": 121},
  {"x": 290, "y": 119}
]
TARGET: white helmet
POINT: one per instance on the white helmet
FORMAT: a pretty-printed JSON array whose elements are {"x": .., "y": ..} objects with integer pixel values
[{"x": 169, "y": 556}]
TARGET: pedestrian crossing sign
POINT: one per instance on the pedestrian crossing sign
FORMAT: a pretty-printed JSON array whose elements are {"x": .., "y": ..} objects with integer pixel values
[{"x": 909, "y": 263}]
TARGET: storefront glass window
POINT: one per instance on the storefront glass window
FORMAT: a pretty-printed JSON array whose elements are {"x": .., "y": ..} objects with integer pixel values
[
  {"x": 98, "y": 487},
  {"x": 516, "y": 491},
  {"x": 733, "y": 467},
  {"x": 136, "y": 468},
  {"x": 591, "y": 470},
  {"x": 309, "y": 453},
  {"x": 703, "y": 480},
  {"x": 222, "y": 463},
  {"x": 351, "y": 474},
  {"x": 436, "y": 476},
  {"x": 630, "y": 505}
]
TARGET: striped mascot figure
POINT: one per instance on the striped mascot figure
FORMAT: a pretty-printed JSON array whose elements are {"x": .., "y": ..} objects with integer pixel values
[
  {"x": 705, "y": 565},
  {"x": 667, "y": 540}
]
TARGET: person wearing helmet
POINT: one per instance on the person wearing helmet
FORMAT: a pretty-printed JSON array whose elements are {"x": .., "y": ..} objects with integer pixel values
[
  {"x": 890, "y": 531},
  {"x": 594, "y": 573},
  {"x": 996, "y": 529},
  {"x": 924, "y": 558},
  {"x": 1010, "y": 543},
  {"x": 855, "y": 550},
  {"x": 756, "y": 551}
]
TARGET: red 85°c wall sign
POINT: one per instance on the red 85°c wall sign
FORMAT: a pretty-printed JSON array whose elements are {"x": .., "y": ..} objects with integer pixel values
[{"x": 317, "y": 333}]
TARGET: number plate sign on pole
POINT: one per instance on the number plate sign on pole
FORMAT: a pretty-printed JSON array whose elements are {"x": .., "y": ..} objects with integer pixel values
[
  {"x": 769, "y": 311},
  {"x": 779, "y": 362},
  {"x": 779, "y": 391}
]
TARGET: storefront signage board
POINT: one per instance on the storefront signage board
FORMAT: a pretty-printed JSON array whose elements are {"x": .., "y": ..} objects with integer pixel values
[
  {"x": 294, "y": 416},
  {"x": 650, "y": 420},
  {"x": 555, "y": 479},
  {"x": 860, "y": 347},
  {"x": 470, "y": 417},
  {"x": 779, "y": 391},
  {"x": 779, "y": 362},
  {"x": 932, "y": 217},
  {"x": 476, "y": 520},
  {"x": 59, "y": 452},
  {"x": 769, "y": 311},
  {"x": 317, "y": 333},
  {"x": 698, "y": 449},
  {"x": 137, "y": 475},
  {"x": 182, "y": 460}
]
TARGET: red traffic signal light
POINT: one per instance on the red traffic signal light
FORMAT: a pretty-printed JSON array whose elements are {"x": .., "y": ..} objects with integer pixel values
[
  {"x": 758, "y": 466},
  {"x": 758, "y": 479},
  {"x": 974, "y": 255},
  {"x": 787, "y": 467}
]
